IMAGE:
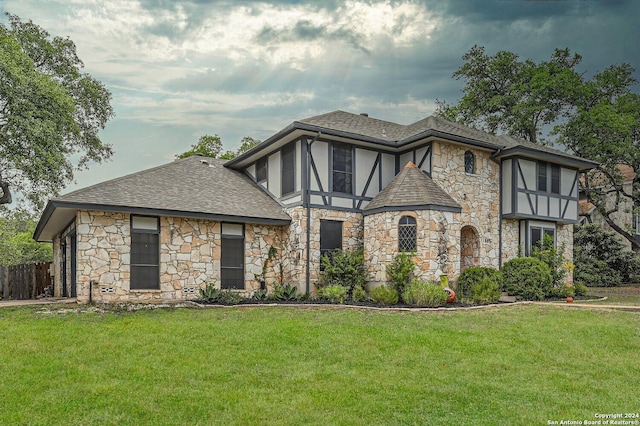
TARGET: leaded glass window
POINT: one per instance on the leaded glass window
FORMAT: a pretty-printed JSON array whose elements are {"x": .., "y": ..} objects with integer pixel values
[{"x": 407, "y": 234}]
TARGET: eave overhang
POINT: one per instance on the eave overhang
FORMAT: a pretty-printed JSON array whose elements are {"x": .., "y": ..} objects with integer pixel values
[{"x": 58, "y": 214}]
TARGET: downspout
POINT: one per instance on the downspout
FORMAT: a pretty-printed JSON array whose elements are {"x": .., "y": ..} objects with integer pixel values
[
  {"x": 308, "y": 203},
  {"x": 500, "y": 213}
]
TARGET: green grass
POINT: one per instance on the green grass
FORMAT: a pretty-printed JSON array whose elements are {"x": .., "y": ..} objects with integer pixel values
[
  {"x": 626, "y": 294},
  {"x": 276, "y": 365}
]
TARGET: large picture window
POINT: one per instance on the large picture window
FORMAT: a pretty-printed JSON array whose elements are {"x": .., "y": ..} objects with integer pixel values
[
  {"x": 145, "y": 253},
  {"x": 288, "y": 169},
  {"x": 232, "y": 256},
  {"x": 342, "y": 169}
]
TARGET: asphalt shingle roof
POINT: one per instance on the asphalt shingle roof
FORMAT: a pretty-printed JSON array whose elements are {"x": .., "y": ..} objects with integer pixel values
[
  {"x": 386, "y": 131},
  {"x": 194, "y": 184},
  {"x": 411, "y": 188}
]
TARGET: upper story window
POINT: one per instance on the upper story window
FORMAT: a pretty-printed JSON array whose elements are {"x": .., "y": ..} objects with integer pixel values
[
  {"x": 469, "y": 162},
  {"x": 548, "y": 177},
  {"x": 288, "y": 169},
  {"x": 261, "y": 169},
  {"x": 342, "y": 169},
  {"x": 407, "y": 233}
]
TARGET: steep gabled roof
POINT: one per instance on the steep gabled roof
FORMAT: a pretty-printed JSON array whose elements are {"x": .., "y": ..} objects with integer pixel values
[
  {"x": 411, "y": 189},
  {"x": 196, "y": 187}
]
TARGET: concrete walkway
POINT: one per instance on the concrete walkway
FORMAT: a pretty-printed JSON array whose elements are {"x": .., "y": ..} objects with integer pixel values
[{"x": 46, "y": 301}]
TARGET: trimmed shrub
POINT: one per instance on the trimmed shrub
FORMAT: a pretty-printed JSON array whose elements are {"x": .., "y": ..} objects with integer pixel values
[
  {"x": 422, "y": 293},
  {"x": 384, "y": 295},
  {"x": 474, "y": 275},
  {"x": 359, "y": 294},
  {"x": 401, "y": 271},
  {"x": 345, "y": 268},
  {"x": 333, "y": 293},
  {"x": 527, "y": 278},
  {"x": 487, "y": 290}
]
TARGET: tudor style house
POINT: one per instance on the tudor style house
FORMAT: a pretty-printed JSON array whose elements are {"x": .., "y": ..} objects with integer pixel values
[{"x": 455, "y": 196}]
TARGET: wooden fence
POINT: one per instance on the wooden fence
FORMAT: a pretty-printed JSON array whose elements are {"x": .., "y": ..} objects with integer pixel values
[{"x": 21, "y": 282}]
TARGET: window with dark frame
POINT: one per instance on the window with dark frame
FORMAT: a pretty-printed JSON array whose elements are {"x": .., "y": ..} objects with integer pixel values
[
  {"x": 342, "y": 168},
  {"x": 469, "y": 162},
  {"x": 555, "y": 179},
  {"x": 537, "y": 234},
  {"x": 407, "y": 233},
  {"x": 145, "y": 253},
  {"x": 261, "y": 170},
  {"x": 288, "y": 168},
  {"x": 232, "y": 256},
  {"x": 542, "y": 176},
  {"x": 548, "y": 179},
  {"x": 330, "y": 237}
]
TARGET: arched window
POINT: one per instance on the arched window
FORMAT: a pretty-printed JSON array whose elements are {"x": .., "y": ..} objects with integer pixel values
[
  {"x": 407, "y": 234},
  {"x": 469, "y": 162}
]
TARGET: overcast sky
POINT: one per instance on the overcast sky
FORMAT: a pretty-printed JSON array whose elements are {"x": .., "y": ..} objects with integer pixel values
[{"x": 181, "y": 69}]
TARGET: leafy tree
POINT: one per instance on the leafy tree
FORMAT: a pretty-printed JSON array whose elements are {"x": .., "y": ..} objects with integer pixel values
[
  {"x": 17, "y": 245},
  {"x": 503, "y": 93},
  {"x": 247, "y": 143},
  {"x": 606, "y": 128},
  {"x": 207, "y": 145},
  {"x": 50, "y": 112},
  {"x": 211, "y": 146},
  {"x": 597, "y": 118}
]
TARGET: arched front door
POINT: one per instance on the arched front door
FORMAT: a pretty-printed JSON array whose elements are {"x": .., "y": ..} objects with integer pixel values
[{"x": 469, "y": 248}]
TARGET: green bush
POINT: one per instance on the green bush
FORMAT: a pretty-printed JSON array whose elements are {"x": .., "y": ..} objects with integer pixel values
[
  {"x": 487, "y": 290},
  {"x": 474, "y": 275},
  {"x": 596, "y": 273},
  {"x": 333, "y": 293},
  {"x": 554, "y": 258},
  {"x": 601, "y": 258},
  {"x": 359, "y": 294},
  {"x": 345, "y": 268},
  {"x": 384, "y": 295},
  {"x": 580, "y": 289},
  {"x": 401, "y": 271},
  {"x": 422, "y": 293},
  {"x": 527, "y": 278}
]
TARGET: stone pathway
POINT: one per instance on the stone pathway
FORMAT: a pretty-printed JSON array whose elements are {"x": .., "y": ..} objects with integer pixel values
[{"x": 47, "y": 301}]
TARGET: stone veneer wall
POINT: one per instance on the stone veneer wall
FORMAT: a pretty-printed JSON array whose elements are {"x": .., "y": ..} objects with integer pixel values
[
  {"x": 478, "y": 194},
  {"x": 564, "y": 238},
  {"x": 295, "y": 244},
  {"x": 437, "y": 238},
  {"x": 189, "y": 257},
  {"x": 510, "y": 239},
  {"x": 57, "y": 270}
]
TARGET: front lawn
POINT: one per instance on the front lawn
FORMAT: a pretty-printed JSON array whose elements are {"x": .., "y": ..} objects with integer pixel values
[
  {"x": 278, "y": 365},
  {"x": 625, "y": 294}
]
